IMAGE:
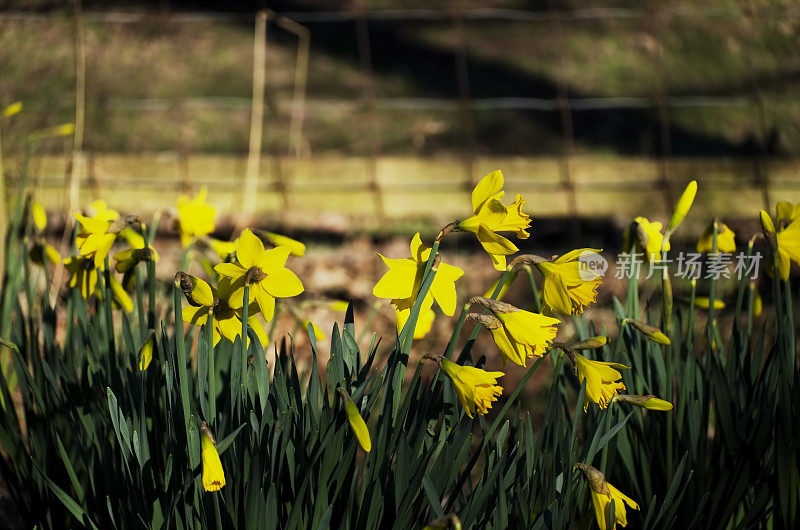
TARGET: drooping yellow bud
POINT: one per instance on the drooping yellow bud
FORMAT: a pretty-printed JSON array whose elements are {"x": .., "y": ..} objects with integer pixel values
[
  {"x": 357, "y": 423},
  {"x": 648, "y": 402},
  {"x": 146, "y": 350},
  {"x": 652, "y": 332},
  {"x": 213, "y": 475},
  {"x": 682, "y": 206}
]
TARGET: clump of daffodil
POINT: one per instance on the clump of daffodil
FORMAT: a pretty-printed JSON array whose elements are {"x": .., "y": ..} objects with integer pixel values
[
  {"x": 648, "y": 238},
  {"x": 726, "y": 239},
  {"x": 357, "y": 424},
  {"x": 603, "y": 380},
  {"x": 195, "y": 217},
  {"x": 518, "y": 334},
  {"x": 649, "y": 401},
  {"x": 569, "y": 286},
  {"x": 402, "y": 282},
  {"x": 203, "y": 298},
  {"x": 213, "y": 475},
  {"x": 783, "y": 242},
  {"x": 263, "y": 270},
  {"x": 477, "y": 389},
  {"x": 490, "y": 216},
  {"x": 603, "y": 494}
]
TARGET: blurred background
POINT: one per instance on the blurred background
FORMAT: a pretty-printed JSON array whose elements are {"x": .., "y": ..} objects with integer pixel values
[{"x": 350, "y": 125}]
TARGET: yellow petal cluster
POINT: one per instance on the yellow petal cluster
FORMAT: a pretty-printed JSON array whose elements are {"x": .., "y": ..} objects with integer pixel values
[
  {"x": 603, "y": 381},
  {"x": 402, "y": 282},
  {"x": 195, "y": 217},
  {"x": 265, "y": 272},
  {"x": 568, "y": 286},
  {"x": 602, "y": 495},
  {"x": 476, "y": 389},
  {"x": 648, "y": 238},
  {"x": 726, "y": 239},
  {"x": 213, "y": 474},
  {"x": 490, "y": 216}
]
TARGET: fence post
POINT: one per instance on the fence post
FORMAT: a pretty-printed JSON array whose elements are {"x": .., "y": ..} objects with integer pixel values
[
  {"x": 567, "y": 129},
  {"x": 256, "y": 117},
  {"x": 78, "y": 162},
  {"x": 654, "y": 24},
  {"x": 465, "y": 101},
  {"x": 368, "y": 99},
  {"x": 759, "y": 151}
]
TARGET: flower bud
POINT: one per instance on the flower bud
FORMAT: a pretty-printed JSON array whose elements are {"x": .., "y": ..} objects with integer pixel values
[
  {"x": 357, "y": 423},
  {"x": 648, "y": 402},
  {"x": 197, "y": 292},
  {"x": 597, "y": 481},
  {"x": 652, "y": 332},
  {"x": 683, "y": 205},
  {"x": 591, "y": 343},
  {"x": 146, "y": 350}
]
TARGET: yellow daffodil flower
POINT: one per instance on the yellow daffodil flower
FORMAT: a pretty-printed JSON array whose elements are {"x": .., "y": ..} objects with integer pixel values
[
  {"x": 490, "y": 216},
  {"x": 726, "y": 242},
  {"x": 649, "y": 401},
  {"x": 788, "y": 241},
  {"x": 93, "y": 239},
  {"x": 648, "y": 238},
  {"x": 603, "y": 381},
  {"x": 126, "y": 260},
  {"x": 227, "y": 320},
  {"x": 213, "y": 475},
  {"x": 402, "y": 281},
  {"x": 518, "y": 334},
  {"x": 39, "y": 216},
  {"x": 83, "y": 274},
  {"x": 602, "y": 495},
  {"x": 476, "y": 388},
  {"x": 357, "y": 424},
  {"x": 568, "y": 285},
  {"x": 263, "y": 270},
  {"x": 195, "y": 217}
]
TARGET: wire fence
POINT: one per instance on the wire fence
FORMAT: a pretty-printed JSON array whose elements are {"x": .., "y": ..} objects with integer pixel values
[{"x": 283, "y": 162}]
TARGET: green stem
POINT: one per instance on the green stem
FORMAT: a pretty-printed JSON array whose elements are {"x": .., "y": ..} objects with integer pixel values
[
  {"x": 151, "y": 285},
  {"x": 537, "y": 301},
  {"x": 246, "y": 302},
  {"x": 212, "y": 380},
  {"x": 407, "y": 333}
]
